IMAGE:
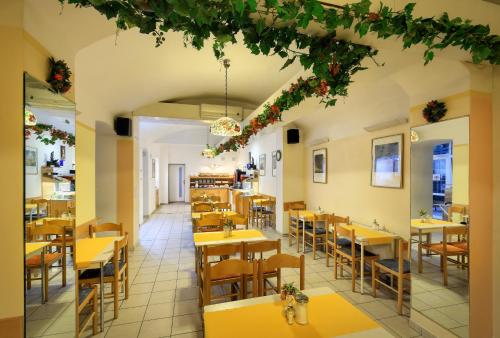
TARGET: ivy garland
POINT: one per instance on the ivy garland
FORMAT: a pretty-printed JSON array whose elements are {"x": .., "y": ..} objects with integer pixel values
[
  {"x": 434, "y": 111},
  {"x": 59, "y": 76},
  {"x": 41, "y": 129},
  {"x": 278, "y": 27}
]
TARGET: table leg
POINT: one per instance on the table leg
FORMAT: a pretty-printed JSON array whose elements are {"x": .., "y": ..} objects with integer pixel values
[
  {"x": 42, "y": 274},
  {"x": 362, "y": 267},
  {"x": 419, "y": 248},
  {"x": 303, "y": 235},
  {"x": 101, "y": 289}
]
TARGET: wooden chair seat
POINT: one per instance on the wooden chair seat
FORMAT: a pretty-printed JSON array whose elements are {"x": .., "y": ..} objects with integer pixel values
[
  {"x": 318, "y": 231},
  {"x": 393, "y": 264},
  {"x": 49, "y": 258},
  {"x": 108, "y": 269},
  {"x": 462, "y": 245},
  {"x": 442, "y": 248},
  {"x": 347, "y": 252}
]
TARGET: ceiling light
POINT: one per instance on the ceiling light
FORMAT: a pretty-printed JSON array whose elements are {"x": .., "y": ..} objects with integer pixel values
[
  {"x": 208, "y": 152},
  {"x": 225, "y": 126},
  {"x": 414, "y": 136}
]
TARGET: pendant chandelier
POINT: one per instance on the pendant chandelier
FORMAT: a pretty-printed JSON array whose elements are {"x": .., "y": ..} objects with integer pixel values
[
  {"x": 225, "y": 126},
  {"x": 208, "y": 152}
]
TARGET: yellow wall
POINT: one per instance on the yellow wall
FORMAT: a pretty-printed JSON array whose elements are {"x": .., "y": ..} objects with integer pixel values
[
  {"x": 349, "y": 191},
  {"x": 496, "y": 201},
  {"x": 85, "y": 173},
  {"x": 125, "y": 201},
  {"x": 460, "y": 174},
  {"x": 11, "y": 170}
]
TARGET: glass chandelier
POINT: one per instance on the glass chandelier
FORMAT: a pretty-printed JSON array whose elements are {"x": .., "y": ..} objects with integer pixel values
[
  {"x": 208, "y": 152},
  {"x": 225, "y": 126}
]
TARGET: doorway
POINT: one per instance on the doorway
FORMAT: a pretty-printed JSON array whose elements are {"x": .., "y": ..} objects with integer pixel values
[
  {"x": 176, "y": 180},
  {"x": 145, "y": 184}
]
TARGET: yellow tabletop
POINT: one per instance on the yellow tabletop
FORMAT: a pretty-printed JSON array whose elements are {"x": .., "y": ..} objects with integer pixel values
[
  {"x": 432, "y": 224},
  {"x": 94, "y": 250},
  {"x": 30, "y": 206},
  {"x": 309, "y": 214},
  {"x": 370, "y": 236},
  {"x": 40, "y": 220},
  {"x": 329, "y": 315},
  {"x": 197, "y": 215},
  {"x": 34, "y": 247},
  {"x": 217, "y": 237},
  {"x": 260, "y": 200}
]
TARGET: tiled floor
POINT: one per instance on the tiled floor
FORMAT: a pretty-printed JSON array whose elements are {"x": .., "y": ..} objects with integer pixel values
[
  {"x": 163, "y": 294},
  {"x": 447, "y": 306}
]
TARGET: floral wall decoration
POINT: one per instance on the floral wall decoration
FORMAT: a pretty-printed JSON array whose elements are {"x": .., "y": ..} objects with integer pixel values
[
  {"x": 273, "y": 27},
  {"x": 434, "y": 111},
  {"x": 47, "y": 134},
  {"x": 59, "y": 76}
]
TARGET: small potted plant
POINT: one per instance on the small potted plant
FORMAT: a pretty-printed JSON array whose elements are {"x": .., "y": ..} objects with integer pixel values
[
  {"x": 424, "y": 215},
  {"x": 228, "y": 228},
  {"x": 288, "y": 293}
]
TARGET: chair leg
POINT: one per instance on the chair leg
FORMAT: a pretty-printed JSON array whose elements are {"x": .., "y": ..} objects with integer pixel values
[
  {"x": 354, "y": 275},
  {"x": 314, "y": 246},
  {"x": 327, "y": 255},
  {"x": 445, "y": 270},
  {"x": 126, "y": 283},
  {"x": 420, "y": 265},
  {"x": 374, "y": 280},
  {"x": 96, "y": 312},
  {"x": 400, "y": 294},
  {"x": 289, "y": 238},
  {"x": 28, "y": 279},
  {"x": 116, "y": 295},
  {"x": 63, "y": 263},
  {"x": 46, "y": 283}
]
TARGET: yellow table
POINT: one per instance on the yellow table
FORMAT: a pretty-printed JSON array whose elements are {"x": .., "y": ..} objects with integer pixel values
[
  {"x": 329, "y": 315},
  {"x": 31, "y": 249},
  {"x": 198, "y": 215},
  {"x": 367, "y": 236},
  {"x": 40, "y": 220},
  {"x": 93, "y": 252},
  {"x": 217, "y": 237}
]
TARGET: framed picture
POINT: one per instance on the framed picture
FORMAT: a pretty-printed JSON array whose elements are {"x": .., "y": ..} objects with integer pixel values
[
  {"x": 320, "y": 165},
  {"x": 262, "y": 164},
  {"x": 31, "y": 160},
  {"x": 62, "y": 153},
  {"x": 274, "y": 164},
  {"x": 387, "y": 161}
]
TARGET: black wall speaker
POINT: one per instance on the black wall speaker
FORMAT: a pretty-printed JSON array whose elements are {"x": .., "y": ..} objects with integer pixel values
[
  {"x": 292, "y": 136},
  {"x": 123, "y": 126}
]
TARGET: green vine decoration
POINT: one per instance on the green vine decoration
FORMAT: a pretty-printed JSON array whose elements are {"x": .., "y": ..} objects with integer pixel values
[
  {"x": 272, "y": 27},
  {"x": 41, "y": 130}
]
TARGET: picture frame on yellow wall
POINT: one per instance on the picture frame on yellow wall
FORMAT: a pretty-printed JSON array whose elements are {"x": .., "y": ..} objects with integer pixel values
[
  {"x": 387, "y": 161},
  {"x": 262, "y": 165},
  {"x": 31, "y": 160},
  {"x": 320, "y": 166}
]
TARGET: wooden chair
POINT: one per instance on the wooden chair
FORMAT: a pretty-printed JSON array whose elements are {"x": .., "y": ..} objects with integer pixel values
[
  {"x": 266, "y": 213},
  {"x": 42, "y": 207},
  {"x": 253, "y": 208},
  {"x": 50, "y": 258},
  {"x": 295, "y": 228},
  {"x": 334, "y": 221},
  {"x": 250, "y": 250},
  {"x": 116, "y": 228},
  {"x": 86, "y": 307},
  {"x": 345, "y": 255},
  {"x": 398, "y": 268},
  {"x": 228, "y": 271},
  {"x": 297, "y": 205},
  {"x": 222, "y": 206},
  {"x": 115, "y": 272},
  {"x": 280, "y": 261},
  {"x": 455, "y": 209},
  {"x": 317, "y": 233},
  {"x": 240, "y": 221},
  {"x": 202, "y": 207},
  {"x": 446, "y": 250},
  {"x": 68, "y": 225},
  {"x": 209, "y": 222},
  {"x": 214, "y": 198},
  {"x": 222, "y": 252}
]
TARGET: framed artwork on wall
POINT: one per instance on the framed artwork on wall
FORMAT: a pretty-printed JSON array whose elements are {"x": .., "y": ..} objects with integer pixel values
[
  {"x": 31, "y": 160},
  {"x": 262, "y": 165},
  {"x": 153, "y": 167},
  {"x": 62, "y": 154},
  {"x": 320, "y": 169},
  {"x": 387, "y": 161},
  {"x": 274, "y": 163}
]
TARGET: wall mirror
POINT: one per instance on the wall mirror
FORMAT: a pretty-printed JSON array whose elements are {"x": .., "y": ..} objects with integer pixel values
[
  {"x": 49, "y": 122},
  {"x": 440, "y": 223}
]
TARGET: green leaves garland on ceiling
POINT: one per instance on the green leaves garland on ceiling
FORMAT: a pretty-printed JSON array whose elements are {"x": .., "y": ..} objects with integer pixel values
[
  {"x": 272, "y": 27},
  {"x": 41, "y": 130}
]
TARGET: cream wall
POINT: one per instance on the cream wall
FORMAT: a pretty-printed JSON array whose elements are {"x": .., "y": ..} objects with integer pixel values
[
  {"x": 105, "y": 179},
  {"x": 349, "y": 191},
  {"x": 460, "y": 174}
]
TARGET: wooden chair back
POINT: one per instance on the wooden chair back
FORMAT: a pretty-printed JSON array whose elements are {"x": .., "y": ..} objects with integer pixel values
[
  {"x": 334, "y": 219},
  {"x": 222, "y": 206},
  {"x": 455, "y": 209},
  {"x": 461, "y": 232},
  {"x": 293, "y": 214},
  {"x": 210, "y": 222},
  {"x": 280, "y": 261},
  {"x": 223, "y": 250},
  {"x": 250, "y": 249},
  {"x": 41, "y": 204},
  {"x": 48, "y": 230},
  {"x": 214, "y": 198},
  {"x": 120, "y": 252},
  {"x": 202, "y": 207},
  {"x": 297, "y": 205},
  {"x": 106, "y": 227},
  {"x": 239, "y": 220},
  {"x": 83, "y": 230},
  {"x": 340, "y": 231}
]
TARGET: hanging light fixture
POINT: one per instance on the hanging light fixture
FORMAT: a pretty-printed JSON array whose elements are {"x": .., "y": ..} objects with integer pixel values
[
  {"x": 225, "y": 126},
  {"x": 208, "y": 152},
  {"x": 29, "y": 117}
]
